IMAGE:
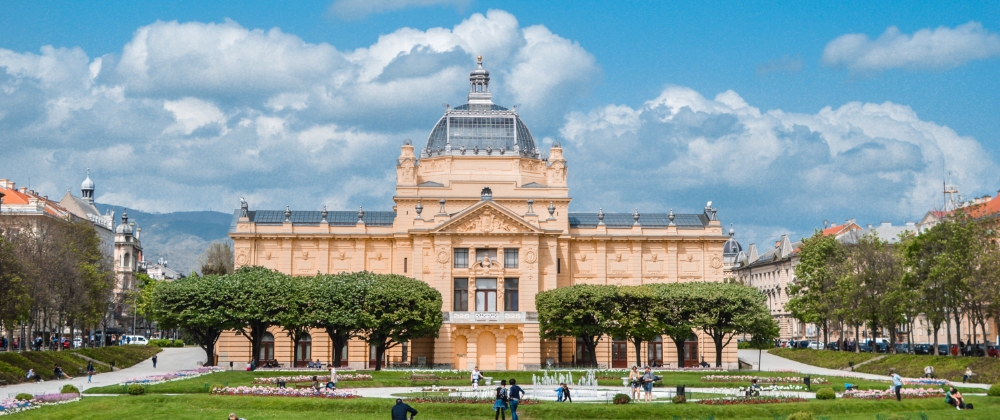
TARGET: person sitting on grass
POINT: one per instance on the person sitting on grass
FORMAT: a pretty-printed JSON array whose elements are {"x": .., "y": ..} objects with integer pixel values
[
  {"x": 953, "y": 397},
  {"x": 754, "y": 390},
  {"x": 58, "y": 371},
  {"x": 232, "y": 416},
  {"x": 315, "y": 383},
  {"x": 33, "y": 375}
]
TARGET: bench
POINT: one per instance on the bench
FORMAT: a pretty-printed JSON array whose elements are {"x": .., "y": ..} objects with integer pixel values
[
  {"x": 424, "y": 379},
  {"x": 303, "y": 386}
]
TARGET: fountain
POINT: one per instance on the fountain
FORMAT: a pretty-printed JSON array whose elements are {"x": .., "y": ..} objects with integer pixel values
[{"x": 585, "y": 387}]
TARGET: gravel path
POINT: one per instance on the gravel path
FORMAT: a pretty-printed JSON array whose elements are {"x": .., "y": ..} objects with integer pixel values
[{"x": 169, "y": 360}]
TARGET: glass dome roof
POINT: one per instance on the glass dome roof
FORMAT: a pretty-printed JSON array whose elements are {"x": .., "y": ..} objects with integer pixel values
[{"x": 480, "y": 127}]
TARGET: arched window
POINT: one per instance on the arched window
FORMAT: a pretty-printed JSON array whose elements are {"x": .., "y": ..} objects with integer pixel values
[
  {"x": 654, "y": 352},
  {"x": 266, "y": 348},
  {"x": 303, "y": 350}
]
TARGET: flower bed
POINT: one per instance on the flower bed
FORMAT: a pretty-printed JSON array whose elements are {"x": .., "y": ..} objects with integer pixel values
[
  {"x": 464, "y": 400},
  {"x": 751, "y": 400},
  {"x": 762, "y": 379},
  {"x": 925, "y": 381},
  {"x": 184, "y": 374},
  {"x": 285, "y": 369},
  {"x": 775, "y": 388},
  {"x": 11, "y": 406},
  {"x": 266, "y": 391},
  {"x": 878, "y": 394},
  {"x": 309, "y": 378}
]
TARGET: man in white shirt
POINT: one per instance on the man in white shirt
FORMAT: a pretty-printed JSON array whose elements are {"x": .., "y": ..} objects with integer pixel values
[{"x": 475, "y": 378}]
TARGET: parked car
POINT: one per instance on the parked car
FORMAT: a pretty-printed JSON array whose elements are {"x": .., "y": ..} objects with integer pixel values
[
  {"x": 77, "y": 343},
  {"x": 943, "y": 349},
  {"x": 137, "y": 340},
  {"x": 816, "y": 345},
  {"x": 923, "y": 348},
  {"x": 835, "y": 346},
  {"x": 865, "y": 347},
  {"x": 902, "y": 347},
  {"x": 992, "y": 351}
]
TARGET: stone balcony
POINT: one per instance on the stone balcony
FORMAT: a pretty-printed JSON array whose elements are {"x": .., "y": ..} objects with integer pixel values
[{"x": 490, "y": 317}]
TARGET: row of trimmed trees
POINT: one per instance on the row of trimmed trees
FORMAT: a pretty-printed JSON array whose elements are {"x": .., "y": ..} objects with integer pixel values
[
  {"x": 53, "y": 277},
  {"x": 383, "y": 309},
  {"x": 641, "y": 313},
  {"x": 948, "y": 273}
]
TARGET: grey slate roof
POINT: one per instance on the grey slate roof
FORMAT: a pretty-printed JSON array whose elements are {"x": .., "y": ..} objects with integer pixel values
[
  {"x": 335, "y": 218},
  {"x": 650, "y": 220}
]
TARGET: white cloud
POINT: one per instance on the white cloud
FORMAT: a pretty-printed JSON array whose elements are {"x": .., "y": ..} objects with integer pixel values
[
  {"x": 940, "y": 48},
  {"x": 357, "y": 9},
  {"x": 859, "y": 158},
  {"x": 192, "y": 115}
]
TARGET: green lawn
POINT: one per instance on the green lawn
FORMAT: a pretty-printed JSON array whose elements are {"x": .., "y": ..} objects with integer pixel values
[
  {"x": 398, "y": 379},
  {"x": 824, "y": 358},
  {"x": 256, "y": 408},
  {"x": 986, "y": 369},
  {"x": 14, "y": 366}
]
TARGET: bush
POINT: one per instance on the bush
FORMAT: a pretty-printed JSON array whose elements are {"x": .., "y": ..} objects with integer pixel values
[
  {"x": 826, "y": 394},
  {"x": 622, "y": 399},
  {"x": 135, "y": 389},
  {"x": 24, "y": 396},
  {"x": 801, "y": 415},
  {"x": 163, "y": 342},
  {"x": 742, "y": 345},
  {"x": 215, "y": 387},
  {"x": 69, "y": 389},
  {"x": 994, "y": 390},
  {"x": 678, "y": 399}
]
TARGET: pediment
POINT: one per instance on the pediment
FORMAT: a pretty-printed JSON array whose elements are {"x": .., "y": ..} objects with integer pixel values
[{"x": 486, "y": 217}]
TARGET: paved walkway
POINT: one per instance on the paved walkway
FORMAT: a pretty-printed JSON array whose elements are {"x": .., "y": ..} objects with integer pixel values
[
  {"x": 548, "y": 392},
  {"x": 772, "y": 363},
  {"x": 169, "y": 360}
]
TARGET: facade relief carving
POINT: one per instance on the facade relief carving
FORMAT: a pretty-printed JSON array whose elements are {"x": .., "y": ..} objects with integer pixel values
[
  {"x": 654, "y": 264},
  {"x": 489, "y": 222},
  {"x": 584, "y": 266},
  {"x": 618, "y": 264}
]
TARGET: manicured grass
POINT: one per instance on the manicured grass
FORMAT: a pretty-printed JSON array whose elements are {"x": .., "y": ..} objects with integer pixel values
[
  {"x": 256, "y": 408},
  {"x": 824, "y": 358},
  {"x": 986, "y": 369},
  {"x": 123, "y": 356},
  {"x": 14, "y": 366},
  {"x": 398, "y": 379}
]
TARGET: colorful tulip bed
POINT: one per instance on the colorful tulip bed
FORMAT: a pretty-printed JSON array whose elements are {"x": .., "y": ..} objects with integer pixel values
[
  {"x": 925, "y": 381},
  {"x": 309, "y": 378},
  {"x": 762, "y": 379},
  {"x": 266, "y": 391},
  {"x": 878, "y": 394},
  {"x": 464, "y": 400},
  {"x": 751, "y": 400},
  {"x": 11, "y": 406},
  {"x": 184, "y": 374}
]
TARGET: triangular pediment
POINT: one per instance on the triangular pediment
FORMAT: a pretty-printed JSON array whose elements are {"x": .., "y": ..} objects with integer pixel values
[{"x": 486, "y": 217}]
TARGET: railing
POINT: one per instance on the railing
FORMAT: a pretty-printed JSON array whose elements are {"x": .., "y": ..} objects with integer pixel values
[{"x": 490, "y": 317}]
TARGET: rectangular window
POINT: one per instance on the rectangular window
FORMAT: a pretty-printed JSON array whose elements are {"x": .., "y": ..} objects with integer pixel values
[
  {"x": 404, "y": 265},
  {"x": 486, "y": 295},
  {"x": 558, "y": 265},
  {"x": 510, "y": 295},
  {"x": 461, "y": 257},
  {"x": 510, "y": 257},
  {"x": 461, "y": 295},
  {"x": 486, "y": 252}
]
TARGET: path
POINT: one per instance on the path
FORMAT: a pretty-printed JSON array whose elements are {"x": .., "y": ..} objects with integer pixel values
[
  {"x": 169, "y": 360},
  {"x": 772, "y": 363},
  {"x": 548, "y": 393}
]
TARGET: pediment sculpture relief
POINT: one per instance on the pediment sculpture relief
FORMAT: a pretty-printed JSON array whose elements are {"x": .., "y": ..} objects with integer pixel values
[{"x": 489, "y": 222}]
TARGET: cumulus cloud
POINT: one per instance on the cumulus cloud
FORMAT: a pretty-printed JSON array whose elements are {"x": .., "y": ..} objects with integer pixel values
[
  {"x": 357, "y": 9},
  {"x": 682, "y": 149},
  {"x": 940, "y": 48},
  {"x": 192, "y": 115}
]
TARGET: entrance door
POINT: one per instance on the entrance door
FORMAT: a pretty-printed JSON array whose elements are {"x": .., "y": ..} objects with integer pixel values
[
  {"x": 486, "y": 351},
  {"x": 654, "y": 352},
  {"x": 619, "y": 354},
  {"x": 303, "y": 351},
  {"x": 691, "y": 353}
]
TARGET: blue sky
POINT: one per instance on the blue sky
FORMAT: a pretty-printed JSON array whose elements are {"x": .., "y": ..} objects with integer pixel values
[{"x": 783, "y": 114}]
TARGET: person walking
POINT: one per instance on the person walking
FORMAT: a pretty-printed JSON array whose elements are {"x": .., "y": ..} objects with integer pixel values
[
  {"x": 647, "y": 384},
  {"x": 476, "y": 375},
  {"x": 500, "y": 406},
  {"x": 515, "y": 394},
  {"x": 400, "y": 410},
  {"x": 333, "y": 378},
  {"x": 968, "y": 374},
  {"x": 559, "y": 393},
  {"x": 633, "y": 381},
  {"x": 154, "y": 361},
  {"x": 566, "y": 394},
  {"x": 90, "y": 371},
  {"x": 897, "y": 385}
]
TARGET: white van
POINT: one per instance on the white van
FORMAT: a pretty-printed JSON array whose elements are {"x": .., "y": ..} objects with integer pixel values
[{"x": 136, "y": 340}]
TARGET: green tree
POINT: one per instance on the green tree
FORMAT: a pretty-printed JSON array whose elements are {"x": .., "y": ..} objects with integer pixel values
[
  {"x": 814, "y": 296},
  {"x": 255, "y": 300},
  {"x": 726, "y": 310},
  {"x": 581, "y": 310},
  {"x": 878, "y": 273},
  {"x": 299, "y": 298},
  {"x": 674, "y": 310},
  {"x": 337, "y": 305},
  {"x": 633, "y": 317},
  {"x": 198, "y": 305},
  {"x": 397, "y": 309},
  {"x": 16, "y": 302}
]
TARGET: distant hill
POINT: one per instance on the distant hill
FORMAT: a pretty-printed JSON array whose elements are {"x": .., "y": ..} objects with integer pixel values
[{"x": 178, "y": 237}]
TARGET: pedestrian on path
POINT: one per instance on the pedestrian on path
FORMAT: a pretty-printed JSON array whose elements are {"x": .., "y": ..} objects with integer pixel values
[
  {"x": 633, "y": 381},
  {"x": 566, "y": 394},
  {"x": 90, "y": 371},
  {"x": 897, "y": 385},
  {"x": 400, "y": 410},
  {"x": 476, "y": 376},
  {"x": 333, "y": 377},
  {"x": 968, "y": 374},
  {"x": 500, "y": 406},
  {"x": 647, "y": 384},
  {"x": 154, "y": 361},
  {"x": 515, "y": 394}
]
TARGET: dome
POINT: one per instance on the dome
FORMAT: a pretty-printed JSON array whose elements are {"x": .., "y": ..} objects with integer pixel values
[
  {"x": 87, "y": 183},
  {"x": 731, "y": 247},
  {"x": 480, "y": 127},
  {"x": 124, "y": 227}
]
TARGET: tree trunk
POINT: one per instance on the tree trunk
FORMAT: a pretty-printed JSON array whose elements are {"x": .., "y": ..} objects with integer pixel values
[
  {"x": 379, "y": 354},
  {"x": 638, "y": 346},
  {"x": 591, "y": 344},
  {"x": 679, "y": 344},
  {"x": 826, "y": 333},
  {"x": 718, "y": 349},
  {"x": 958, "y": 329},
  {"x": 857, "y": 337},
  {"x": 937, "y": 328},
  {"x": 947, "y": 325},
  {"x": 209, "y": 353}
]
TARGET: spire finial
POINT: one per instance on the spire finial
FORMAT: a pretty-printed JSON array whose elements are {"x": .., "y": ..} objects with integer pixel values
[{"x": 480, "y": 58}]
